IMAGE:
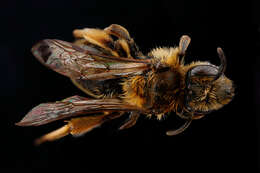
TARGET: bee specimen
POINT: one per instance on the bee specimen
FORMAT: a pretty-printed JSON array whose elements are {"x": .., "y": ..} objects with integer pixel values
[{"x": 118, "y": 78}]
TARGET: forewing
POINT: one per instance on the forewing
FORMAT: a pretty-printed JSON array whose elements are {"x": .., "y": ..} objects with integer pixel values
[
  {"x": 71, "y": 107},
  {"x": 88, "y": 63}
]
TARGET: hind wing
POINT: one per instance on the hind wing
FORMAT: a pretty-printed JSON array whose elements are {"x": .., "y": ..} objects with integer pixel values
[{"x": 72, "y": 107}]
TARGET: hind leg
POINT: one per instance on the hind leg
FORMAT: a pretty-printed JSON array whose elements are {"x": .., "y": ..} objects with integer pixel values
[
  {"x": 114, "y": 39},
  {"x": 125, "y": 43},
  {"x": 78, "y": 126}
]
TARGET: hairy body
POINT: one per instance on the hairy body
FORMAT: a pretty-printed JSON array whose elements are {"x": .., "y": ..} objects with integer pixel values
[{"x": 118, "y": 78}]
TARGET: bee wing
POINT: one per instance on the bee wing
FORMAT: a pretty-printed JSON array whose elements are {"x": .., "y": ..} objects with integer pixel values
[
  {"x": 88, "y": 63},
  {"x": 71, "y": 107}
]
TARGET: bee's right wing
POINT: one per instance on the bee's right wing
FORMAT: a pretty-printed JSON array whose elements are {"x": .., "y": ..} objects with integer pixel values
[
  {"x": 89, "y": 63},
  {"x": 71, "y": 107}
]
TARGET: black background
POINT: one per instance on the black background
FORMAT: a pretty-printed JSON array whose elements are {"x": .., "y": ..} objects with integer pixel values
[{"x": 226, "y": 140}]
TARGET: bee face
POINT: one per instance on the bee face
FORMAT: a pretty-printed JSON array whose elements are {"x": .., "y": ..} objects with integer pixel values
[{"x": 204, "y": 96}]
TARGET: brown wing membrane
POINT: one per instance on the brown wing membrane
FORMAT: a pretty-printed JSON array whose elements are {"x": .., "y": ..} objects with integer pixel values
[
  {"x": 88, "y": 63},
  {"x": 70, "y": 107}
]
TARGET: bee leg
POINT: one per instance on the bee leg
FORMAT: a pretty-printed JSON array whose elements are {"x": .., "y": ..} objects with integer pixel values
[
  {"x": 118, "y": 31},
  {"x": 131, "y": 121},
  {"x": 78, "y": 126},
  {"x": 179, "y": 130},
  {"x": 124, "y": 43},
  {"x": 196, "y": 117},
  {"x": 183, "y": 115},
  {"x": 188, "y": 118},
  {"x": 122, "y": 47},
  {"x": 122, "y": 39},
  {"x": 96, "y": 37},
  {"x": 54, "y": 135}
]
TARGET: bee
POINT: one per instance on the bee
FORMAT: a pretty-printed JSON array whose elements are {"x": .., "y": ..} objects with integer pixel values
[{"x": 118, "y": 79}]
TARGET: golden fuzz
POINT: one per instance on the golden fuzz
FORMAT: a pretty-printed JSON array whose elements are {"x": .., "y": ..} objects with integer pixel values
[{"x": 157, "y": 87}]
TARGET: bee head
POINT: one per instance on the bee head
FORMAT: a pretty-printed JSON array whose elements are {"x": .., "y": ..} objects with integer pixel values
[{"x": 207, "y": 88}]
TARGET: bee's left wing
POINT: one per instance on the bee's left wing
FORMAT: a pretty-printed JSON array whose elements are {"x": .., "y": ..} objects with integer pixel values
[
  {"x": 72, "y": 107},
  {"x": 89, "y": 63}
]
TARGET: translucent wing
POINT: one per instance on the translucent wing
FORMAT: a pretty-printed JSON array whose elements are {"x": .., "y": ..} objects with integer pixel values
[
  {"x": 71, "y": 107},
  {"x": 88, "y": 63}
]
